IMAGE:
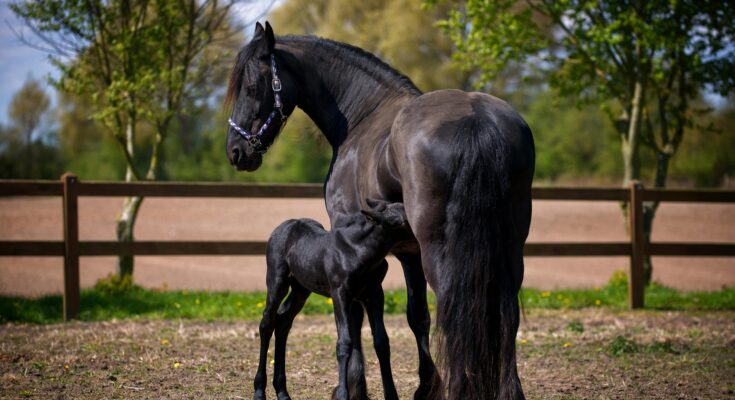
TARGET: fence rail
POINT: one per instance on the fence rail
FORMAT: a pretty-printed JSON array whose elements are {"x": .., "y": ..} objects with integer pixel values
[{"x": 70, "y": 189}]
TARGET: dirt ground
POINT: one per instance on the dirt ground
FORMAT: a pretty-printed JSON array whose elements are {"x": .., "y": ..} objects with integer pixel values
[
  {"x": 253, "y": 219},
  {"x": 585, "y": 354}
]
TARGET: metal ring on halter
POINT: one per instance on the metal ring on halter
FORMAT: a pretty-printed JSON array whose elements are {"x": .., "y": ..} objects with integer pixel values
[{"x": 254, "y": 139}]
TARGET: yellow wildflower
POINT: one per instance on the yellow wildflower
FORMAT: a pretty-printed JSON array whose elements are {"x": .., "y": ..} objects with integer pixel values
[
  {"x": 598, "y": 302},
  {"x": 177, "y": 365},
  {"x": 545, "y": 294},
  {"x": 164, "y": 342},
  {"x": 567, "y": 344},
  {"x": 329, "y": 301}
]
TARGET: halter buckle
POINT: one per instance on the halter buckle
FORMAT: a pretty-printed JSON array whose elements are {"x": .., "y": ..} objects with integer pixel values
[
  {"x": 276, "y": 83},
  {"x": 254, "y": 141}
]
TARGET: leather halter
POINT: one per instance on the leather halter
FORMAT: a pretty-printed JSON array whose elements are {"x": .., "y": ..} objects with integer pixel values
[{"x": 254, "y": 139}]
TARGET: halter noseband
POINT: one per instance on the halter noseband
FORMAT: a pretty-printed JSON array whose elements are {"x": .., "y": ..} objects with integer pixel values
[{"x": 254, "y": 139}]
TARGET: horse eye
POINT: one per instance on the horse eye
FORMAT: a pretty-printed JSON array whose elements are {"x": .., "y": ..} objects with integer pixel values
[{"x": 250, "y": 90}]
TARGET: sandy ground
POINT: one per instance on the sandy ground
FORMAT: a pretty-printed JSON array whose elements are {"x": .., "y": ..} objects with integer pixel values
[
  {"x": 26, "y": 218},
  {"x": 568, "y": 354}
]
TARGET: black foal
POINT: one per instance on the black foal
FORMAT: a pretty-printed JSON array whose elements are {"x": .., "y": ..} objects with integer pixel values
[{"x": 347, "y": 264}]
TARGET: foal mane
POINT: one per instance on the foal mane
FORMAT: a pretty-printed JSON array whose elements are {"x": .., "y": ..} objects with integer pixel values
[{"x": 353, "y": 57}]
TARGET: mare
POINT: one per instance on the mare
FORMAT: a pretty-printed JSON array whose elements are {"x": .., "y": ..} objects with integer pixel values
[
  {"x": 462, "y": 163},
  {"x": 349, "y": 262}
]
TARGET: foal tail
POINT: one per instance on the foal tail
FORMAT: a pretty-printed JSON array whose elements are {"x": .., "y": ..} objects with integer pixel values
[{"x": 477, "y": 296}]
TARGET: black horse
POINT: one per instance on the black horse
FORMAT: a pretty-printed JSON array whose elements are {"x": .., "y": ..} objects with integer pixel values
[
  {"x": 462, "y": 164},
  {"x": 347, "y": 264}
]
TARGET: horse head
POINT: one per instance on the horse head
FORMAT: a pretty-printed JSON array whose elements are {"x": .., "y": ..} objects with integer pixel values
[{"x": 263, "y": 96}]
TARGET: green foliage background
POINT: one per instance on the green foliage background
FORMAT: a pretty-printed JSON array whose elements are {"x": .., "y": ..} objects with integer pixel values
[{"x": 574, "y": 143}]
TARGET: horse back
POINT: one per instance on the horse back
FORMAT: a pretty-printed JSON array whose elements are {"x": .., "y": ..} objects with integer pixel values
[{"x": 426, "y": 130}]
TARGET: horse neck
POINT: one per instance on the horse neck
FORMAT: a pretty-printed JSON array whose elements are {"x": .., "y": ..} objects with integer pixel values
[{"x": 339, "y": 88}]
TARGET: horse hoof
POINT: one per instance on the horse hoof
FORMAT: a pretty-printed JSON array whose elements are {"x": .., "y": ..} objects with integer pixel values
[
  {"x": 259, "y": 396},
  {"x": 284, "y": 396},
  {"x": 339, "y": 394},
  {"x": 422, "y": 393}
]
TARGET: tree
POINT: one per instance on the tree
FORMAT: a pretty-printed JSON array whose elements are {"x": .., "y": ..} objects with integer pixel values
[
  {"x": 138, "y": 60},
  {"x": 26, "y": 109},
  {"x": 642, "y": 61}
]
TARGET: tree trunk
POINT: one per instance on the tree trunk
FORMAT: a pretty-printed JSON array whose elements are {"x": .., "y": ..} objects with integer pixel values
[
  {"x": 631, "y": 138},
  {"x": 29, "y": 153},
  {"x": 631, "y": 163},
  {"x": 125, "y": 225},
  {"x": 131, "y": 205}
]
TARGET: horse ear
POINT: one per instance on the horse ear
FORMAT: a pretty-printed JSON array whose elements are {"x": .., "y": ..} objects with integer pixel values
[
  {"x": 270, "y": 38},
  {"x": 258, "y": 31}
]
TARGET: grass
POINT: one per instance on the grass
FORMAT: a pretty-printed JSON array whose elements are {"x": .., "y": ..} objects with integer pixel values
[{"x": 122, "y": 300}]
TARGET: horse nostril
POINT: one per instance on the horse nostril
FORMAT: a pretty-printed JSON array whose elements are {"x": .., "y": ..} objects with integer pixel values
[{"x": 235, "y": 156}]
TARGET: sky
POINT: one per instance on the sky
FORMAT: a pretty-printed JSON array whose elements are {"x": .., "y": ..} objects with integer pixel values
[{"x": 19, "y": 61}]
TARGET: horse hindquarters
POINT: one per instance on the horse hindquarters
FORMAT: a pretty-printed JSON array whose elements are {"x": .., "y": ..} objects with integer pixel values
[{"x": 461, "y": 205}]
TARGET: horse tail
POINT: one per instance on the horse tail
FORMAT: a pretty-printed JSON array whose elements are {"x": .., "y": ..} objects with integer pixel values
[{"x": 479, "y": 277}]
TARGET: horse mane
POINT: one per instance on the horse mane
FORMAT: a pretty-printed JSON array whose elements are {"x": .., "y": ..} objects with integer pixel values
[
  {"x": 238, "y": 72},
  {"x": 352, "y": 56},
  {"x": 357, "y": 58}
]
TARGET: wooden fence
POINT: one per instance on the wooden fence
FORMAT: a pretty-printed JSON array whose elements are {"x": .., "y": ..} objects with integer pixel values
[{"x": 70, "y": 188}]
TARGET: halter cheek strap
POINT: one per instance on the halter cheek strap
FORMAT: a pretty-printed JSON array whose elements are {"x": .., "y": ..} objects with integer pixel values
[{"x": 254, "y": 139}]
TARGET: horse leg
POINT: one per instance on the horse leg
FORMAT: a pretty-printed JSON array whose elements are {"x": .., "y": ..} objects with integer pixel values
[
  {"x": 277, "y": 290},
  {"x": 419, "y": 320},
  {"x": 381, "y": 343},
  {"x": 357, "y": 385},
  {"x": 284, "y": 320},
  {"x": 342, "y": 304}
]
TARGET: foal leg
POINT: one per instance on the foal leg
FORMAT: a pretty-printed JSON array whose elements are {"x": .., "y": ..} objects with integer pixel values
[
  {"x": 342, "y": 304},
  {"x": 374, "y": 305},
  {"x": 419, "y": 320},
  {"x": 357, "y": 385},
  {"x": 284, "y": 320},
  {"x": 277, "y": 290}
]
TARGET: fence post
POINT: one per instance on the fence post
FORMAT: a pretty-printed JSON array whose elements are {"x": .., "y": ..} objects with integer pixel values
[
  {"x": 636, "y": 284},
  {"x": 71, "y": 247}
]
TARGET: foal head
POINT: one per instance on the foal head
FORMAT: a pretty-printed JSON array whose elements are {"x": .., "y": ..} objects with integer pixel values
[
  {"x": 263, "y": 96},
  {"x": 389, "y": 218}
]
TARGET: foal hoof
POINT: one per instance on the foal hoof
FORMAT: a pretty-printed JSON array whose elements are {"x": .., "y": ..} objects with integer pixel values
[{"x": 283, "y": 396}]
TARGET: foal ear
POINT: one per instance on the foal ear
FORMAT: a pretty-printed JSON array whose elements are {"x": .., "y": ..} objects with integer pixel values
[
  {"x": 371, "y": 215},
  {"x": 375, "y": 204}
]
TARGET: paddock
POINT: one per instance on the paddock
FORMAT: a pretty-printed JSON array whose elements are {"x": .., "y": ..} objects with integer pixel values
[{"x": 563, "y": 354}]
